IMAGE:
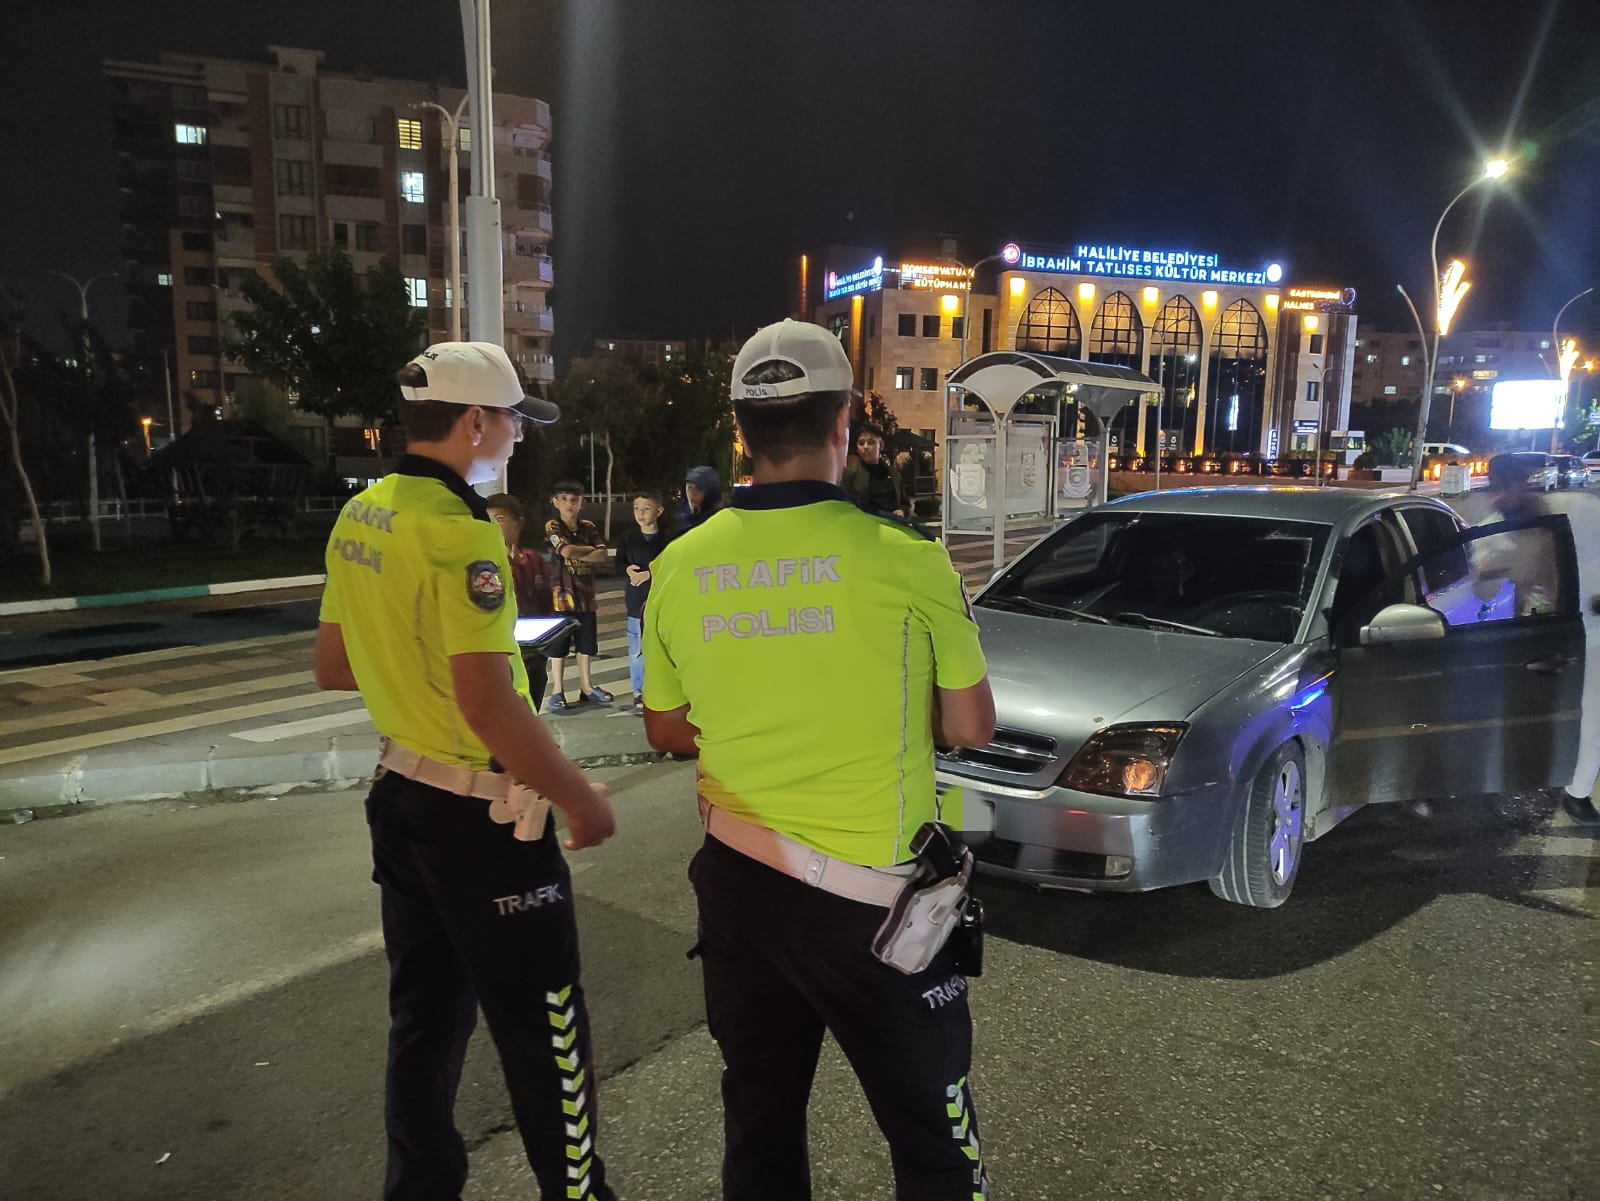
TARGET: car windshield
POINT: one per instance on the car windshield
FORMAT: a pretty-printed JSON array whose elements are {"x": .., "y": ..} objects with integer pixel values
[{"x": 1198, "y": 575}]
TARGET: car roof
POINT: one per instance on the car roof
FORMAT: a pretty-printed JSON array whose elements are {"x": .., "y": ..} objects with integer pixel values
[{"x": 1327, "y": 506}]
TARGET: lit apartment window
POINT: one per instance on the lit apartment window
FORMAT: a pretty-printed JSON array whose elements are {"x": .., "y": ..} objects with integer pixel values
[
  {"x": 417, "y": 291},
  {"x": 903, "y": 378},
  {"x": 464, "y": 138},
  {"x": 164, "y": 279},
  {"x": 1405, "y": 360},
  {"x": 190, "y": 135},
  {"x": 411, "y": 190},
  {"x": 410, "y": 132},
  {"x": 1388, "y": 389}
]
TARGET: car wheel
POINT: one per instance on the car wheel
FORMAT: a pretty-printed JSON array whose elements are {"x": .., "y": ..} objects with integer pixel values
[{"x": 1268, "y": 839}]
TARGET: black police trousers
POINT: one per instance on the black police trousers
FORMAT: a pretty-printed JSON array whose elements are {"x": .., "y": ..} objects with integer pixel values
[
  {"x": 473, "y": 917},
  {"x": 783, "y": 962}
]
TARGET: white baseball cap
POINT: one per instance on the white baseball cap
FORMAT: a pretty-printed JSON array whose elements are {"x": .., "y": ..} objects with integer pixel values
[
  {"x": 810, "y": 349},
  {"x": 473, "y": 373}
]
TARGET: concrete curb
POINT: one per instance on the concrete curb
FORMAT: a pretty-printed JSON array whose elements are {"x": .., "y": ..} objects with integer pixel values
[
  {"x": 104, "y": 600},
  {"x": 340, "y": 762}
]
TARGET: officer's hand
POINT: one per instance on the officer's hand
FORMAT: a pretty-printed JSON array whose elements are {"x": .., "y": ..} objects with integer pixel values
[{"x": 591, "y": 824}]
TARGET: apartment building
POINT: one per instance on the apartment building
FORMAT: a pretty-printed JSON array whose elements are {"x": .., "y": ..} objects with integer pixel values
[
  {"x": 225, "y": 164},
  {"x": 1390, "y": 367}
]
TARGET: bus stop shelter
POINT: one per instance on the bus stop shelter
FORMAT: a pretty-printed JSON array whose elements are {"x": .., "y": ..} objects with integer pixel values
[{"x": 977, "y": 472}]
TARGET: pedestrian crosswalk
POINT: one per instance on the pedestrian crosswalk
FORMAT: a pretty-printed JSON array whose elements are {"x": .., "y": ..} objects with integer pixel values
[{"x": 261, "y": 692}]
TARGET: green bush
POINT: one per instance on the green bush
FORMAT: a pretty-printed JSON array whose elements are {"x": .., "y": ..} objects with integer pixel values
[{"x": 1365, "y": 461}]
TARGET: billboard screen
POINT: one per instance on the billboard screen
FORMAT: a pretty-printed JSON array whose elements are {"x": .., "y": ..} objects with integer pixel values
[{"x": 1526, "y": 404}]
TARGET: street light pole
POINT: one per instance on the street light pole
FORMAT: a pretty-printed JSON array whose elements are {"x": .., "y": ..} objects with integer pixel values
[
  {"x": 94, "y": 469},
  {"x": 453, "y": 123},
  {"x": 483, "y": 210},
  {"x": 966, "y": 300},
  {"x": 1494, "y": 169},
  {"x": 1555, "y": 351}
]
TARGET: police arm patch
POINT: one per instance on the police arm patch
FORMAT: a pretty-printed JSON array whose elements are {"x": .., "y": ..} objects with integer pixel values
[{"x": 485, "y": 588}]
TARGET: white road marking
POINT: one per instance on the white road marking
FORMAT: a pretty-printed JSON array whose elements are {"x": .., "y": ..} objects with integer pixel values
[{"x": 308, "y": 725}]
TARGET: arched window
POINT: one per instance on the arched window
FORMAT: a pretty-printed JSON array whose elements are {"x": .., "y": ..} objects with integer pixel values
[
  {"x": 1177, "y": 328},
  {"x": 1050, "y": 326},
  {"x": 1238, "y": 377},
  {"x": 1114, "y": 335},
  {"x": 1240, "y": 333}
]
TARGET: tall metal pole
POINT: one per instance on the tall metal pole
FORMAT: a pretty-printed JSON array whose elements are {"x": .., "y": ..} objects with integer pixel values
[
  {"x": 453, "y": 123},
  {"x": 166, "y": 380},
  {"x": 94, "y": 467},
  {"x": 1555, "y": 351},
  {"x": 1493, "y": 170},
  {"x": 1161, "y": 396},
  {"x": 483, "y": 210}
]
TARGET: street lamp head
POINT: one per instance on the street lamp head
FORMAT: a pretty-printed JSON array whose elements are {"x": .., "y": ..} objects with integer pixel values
[{"x": 1496, "y": 168}]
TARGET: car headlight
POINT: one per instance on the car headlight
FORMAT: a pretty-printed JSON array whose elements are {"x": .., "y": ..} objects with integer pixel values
[{"x": 1127, "y": 760}]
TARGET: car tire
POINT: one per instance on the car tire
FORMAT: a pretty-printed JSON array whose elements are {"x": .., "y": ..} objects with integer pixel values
[{"x": 1268, "y": 839}]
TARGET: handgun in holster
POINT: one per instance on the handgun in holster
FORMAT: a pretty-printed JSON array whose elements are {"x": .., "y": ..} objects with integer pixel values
[{"x": 935, "y": 905}]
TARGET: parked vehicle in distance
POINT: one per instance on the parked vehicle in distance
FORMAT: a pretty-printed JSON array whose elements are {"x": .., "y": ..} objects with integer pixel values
[
  {"x": 1591, "y": 465},
  {"x": 1191, "y": 685},
  {"x": 1436, "y": 456},
  {"x": 1570, "y": 472},
  {"x": 1543, "y": 473}
]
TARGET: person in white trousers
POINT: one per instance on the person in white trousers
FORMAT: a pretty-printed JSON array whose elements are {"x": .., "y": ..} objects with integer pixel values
[{"x": 1510, "y": 497}]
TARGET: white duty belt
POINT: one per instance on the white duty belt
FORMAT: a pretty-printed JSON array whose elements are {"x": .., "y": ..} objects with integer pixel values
[
  {"x": 509, "y": 801},
  {"x": 869, "y": 885}
]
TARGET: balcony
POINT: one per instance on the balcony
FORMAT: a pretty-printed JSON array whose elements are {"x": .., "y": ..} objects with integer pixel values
[
  {"x": 537, "y": 365},
  {"x": 528, "y": 315}
]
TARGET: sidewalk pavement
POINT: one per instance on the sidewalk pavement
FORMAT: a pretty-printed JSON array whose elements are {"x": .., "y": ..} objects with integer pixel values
[{"x": 246, "y": 716}]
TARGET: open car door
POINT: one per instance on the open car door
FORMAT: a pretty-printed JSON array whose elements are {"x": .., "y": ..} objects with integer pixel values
[{"x": 1462, "y": 673}]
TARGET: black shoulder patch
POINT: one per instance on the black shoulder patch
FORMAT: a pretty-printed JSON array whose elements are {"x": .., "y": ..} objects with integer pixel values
[{"x": 485, "y": 588}]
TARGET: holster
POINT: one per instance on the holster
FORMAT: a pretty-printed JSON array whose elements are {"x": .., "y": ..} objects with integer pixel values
[
  {"x": 926, "y": 912},
  {"x": 526, "y": 808}
]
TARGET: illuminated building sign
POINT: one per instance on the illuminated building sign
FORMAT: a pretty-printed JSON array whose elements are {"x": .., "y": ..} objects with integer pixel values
[
  {"x": 1317, "y": 300},
  {"x": 868, "y": 279},
  {"x": 1137, "y": 262},
  {"x": 935, "y": 275}
]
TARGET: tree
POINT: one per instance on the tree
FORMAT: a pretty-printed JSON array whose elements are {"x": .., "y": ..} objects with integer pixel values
[
  {"x": 12, "y": 316},
  {"x": 326, "y": 337},
  {"x": 872, "y": 410},
  {"x": 690, "y": 417}
]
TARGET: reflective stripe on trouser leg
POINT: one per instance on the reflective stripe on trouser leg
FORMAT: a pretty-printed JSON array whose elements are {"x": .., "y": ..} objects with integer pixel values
[
  {"x": 959, "y": 1107},
  {"x": 563, "y": 1017}
]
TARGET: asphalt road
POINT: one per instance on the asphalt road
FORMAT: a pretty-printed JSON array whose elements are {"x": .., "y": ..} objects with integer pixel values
[
  {"x": 193, "y": 1008},
  {"x": 72, "y": 635}
]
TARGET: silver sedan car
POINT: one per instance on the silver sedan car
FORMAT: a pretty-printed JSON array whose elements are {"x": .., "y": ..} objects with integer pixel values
[{"x": 1192, "y": 685}]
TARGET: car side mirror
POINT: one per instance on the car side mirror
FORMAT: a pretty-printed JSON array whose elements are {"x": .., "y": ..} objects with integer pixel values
[{"x": 1403, "y": 623}]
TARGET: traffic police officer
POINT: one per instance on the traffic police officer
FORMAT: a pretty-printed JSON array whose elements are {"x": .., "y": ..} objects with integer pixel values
[
  {"x": 812, "y": 654},
  {"x": 476, "y": 898}
]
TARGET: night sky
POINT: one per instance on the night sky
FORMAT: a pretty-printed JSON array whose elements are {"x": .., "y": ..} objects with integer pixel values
[{"x": 701, "y": 144}]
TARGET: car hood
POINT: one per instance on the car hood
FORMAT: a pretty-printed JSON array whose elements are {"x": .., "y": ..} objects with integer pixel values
[{"x": 1068, "y": 678}]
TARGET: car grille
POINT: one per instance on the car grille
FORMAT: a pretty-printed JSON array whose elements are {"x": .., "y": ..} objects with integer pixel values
[
  {"x": 1043, "y": 861},
  {"x": 1014, "y": 751}
]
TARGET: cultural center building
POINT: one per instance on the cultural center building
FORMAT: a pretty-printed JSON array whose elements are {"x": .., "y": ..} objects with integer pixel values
[{"x": 1245, "y": 359}]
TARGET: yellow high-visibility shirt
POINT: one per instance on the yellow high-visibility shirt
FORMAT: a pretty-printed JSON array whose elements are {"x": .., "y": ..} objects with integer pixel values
[
  {"x": 807, "y": 637},
  {"x": 417, "y": 573}
]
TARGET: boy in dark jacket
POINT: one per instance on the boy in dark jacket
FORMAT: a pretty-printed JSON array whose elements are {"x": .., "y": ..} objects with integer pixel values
[
  {"x": 702, "y": 496},
  {"x": 635, "y": 553}
]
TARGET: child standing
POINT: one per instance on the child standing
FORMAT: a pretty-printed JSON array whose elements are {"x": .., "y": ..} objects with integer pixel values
[
  {"x": 635, "y": 553},
  {"x": 578, "y": 547},
  {"x": 531, "y": 579}
]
